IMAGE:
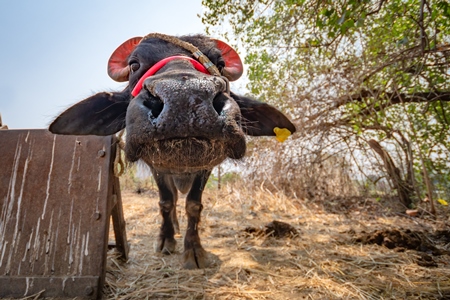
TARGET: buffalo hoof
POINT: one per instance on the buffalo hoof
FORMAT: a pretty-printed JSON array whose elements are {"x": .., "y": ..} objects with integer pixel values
[
  {"x": 166, "y": 245},
  {"x": 195, "y": 259}
]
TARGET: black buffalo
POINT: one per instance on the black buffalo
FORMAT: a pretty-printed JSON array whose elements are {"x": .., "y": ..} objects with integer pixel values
[{"x": 179, "y": 119}]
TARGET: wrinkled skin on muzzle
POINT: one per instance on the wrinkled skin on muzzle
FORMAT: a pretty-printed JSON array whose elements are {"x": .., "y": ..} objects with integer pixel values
[{"x": 182, "y": 121}]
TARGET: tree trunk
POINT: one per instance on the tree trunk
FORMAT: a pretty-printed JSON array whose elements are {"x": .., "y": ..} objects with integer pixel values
[{"x": 404, "y": 190}]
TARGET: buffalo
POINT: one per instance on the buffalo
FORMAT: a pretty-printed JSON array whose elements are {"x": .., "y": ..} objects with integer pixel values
[{"x": 181, "y": 119}]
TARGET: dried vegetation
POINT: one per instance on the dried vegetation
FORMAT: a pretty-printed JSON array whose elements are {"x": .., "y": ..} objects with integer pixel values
[{"x": 331, "y": 252}]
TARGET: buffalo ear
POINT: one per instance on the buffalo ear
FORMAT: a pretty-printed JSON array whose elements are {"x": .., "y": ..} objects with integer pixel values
[
  {"x": 101, "y": 114},
  {"x": 118, "y": 68},
  {"x": 233, "y": 65},
  {"x": 260, "y": 118}
]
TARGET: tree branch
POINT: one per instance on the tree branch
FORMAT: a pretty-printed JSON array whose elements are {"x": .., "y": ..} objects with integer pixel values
[
  {"x": 395, "y": 98},
  {"x": 402, "y": 187},
  {"x": 377, "y": 10}
]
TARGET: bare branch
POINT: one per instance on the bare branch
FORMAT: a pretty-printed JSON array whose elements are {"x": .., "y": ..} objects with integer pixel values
[
  {"x": 377, "y": 10},
  {"x": 395, "y": 98},
  {"x": 423, "y": 39}
]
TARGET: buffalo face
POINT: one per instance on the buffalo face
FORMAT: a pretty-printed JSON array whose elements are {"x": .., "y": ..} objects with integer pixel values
[{"x": 183, "y": 121}]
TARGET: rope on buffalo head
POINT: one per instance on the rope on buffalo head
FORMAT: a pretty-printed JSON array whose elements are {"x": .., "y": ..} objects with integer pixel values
[{"x": 212, "y": 69}]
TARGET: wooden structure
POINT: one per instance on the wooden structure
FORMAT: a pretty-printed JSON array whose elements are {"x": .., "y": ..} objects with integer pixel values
[{"x": 57, "y": 194}]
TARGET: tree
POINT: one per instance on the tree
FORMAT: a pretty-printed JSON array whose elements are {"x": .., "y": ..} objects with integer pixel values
[{"x": 350, "y": 71}]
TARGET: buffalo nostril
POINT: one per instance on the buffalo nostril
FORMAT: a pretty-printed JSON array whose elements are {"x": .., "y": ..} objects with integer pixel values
[
  {"x": 155, "y": 106},
  {"x": 218, "y": 104}
]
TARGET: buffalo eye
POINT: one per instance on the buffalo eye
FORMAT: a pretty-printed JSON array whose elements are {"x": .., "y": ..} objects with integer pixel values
[{"x": 134, "y": 66}]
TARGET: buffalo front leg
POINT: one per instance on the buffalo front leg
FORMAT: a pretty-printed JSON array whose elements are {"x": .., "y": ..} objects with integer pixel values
[
  {"x": 167, "y": 202},
  {"x": 174, "y": 217},
  {"x": 194, "y": 255}
]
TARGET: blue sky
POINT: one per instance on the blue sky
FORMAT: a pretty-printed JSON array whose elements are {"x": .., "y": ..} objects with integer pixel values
[{"x": 54, "y": 53}]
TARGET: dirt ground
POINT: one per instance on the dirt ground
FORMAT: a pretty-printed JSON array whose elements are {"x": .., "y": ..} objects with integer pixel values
[{"x": 267, "y": 246}]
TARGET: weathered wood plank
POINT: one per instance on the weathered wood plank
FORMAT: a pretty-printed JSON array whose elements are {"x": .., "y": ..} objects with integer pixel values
[{"x": 55, "y": 204}]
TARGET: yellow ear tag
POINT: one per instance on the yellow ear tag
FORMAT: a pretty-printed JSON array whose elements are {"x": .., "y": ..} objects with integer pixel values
[
  {"x": 443, "y": 202},
  {"x": 281, "y": 134}
]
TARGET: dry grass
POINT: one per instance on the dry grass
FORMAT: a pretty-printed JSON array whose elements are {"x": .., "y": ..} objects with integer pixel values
[{"x": 321, "y": 262}]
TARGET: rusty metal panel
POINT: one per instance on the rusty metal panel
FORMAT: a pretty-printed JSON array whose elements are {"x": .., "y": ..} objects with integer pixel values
[{"x": 54, "y": 213}]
